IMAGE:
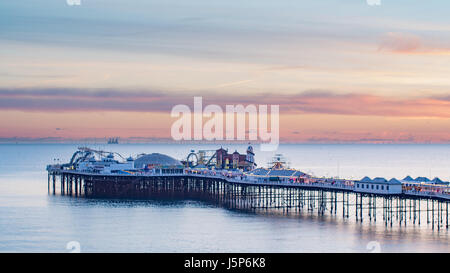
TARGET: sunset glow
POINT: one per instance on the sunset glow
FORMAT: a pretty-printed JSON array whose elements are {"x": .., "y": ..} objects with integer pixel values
[{"x": 68, "y": 74}]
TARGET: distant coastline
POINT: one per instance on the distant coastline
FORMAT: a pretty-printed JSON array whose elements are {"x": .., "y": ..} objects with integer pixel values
[{"x": 97, "y": 141}]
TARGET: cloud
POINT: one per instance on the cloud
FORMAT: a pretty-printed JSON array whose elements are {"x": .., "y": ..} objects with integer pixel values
[
  {"x": 234, "y": 83},
  {"x": 308, "y": 102},
  {"x": 404, "y": 43},
  {"x": 366, "y": 105},
  {"x": 400, "y": 42},
  {"x": 71, "y": 99},
  {"x": 327, "y": 102}
]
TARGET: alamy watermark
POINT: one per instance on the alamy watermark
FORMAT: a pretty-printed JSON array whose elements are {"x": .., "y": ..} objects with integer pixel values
[
  {"x": 257, "y": 119},
  {"x": 73, "y": 2},
  {"x": 74, "y": 247},
  {"x": 374, "y": 247},
  {"x": 373, "y": 2}
]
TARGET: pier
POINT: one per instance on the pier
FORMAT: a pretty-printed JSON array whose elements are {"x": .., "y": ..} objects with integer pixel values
[{"x": 407, "y": 208}]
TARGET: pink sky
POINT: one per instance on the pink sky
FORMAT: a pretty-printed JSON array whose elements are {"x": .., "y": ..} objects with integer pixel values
[{"x": 341, "y": 71}]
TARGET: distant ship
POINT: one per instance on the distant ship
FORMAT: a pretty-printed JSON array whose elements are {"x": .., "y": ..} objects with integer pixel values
[{"x": 113, "y": 140}]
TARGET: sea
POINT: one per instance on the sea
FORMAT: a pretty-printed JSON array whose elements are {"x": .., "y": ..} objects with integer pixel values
[{"x": 32, "y": 220}]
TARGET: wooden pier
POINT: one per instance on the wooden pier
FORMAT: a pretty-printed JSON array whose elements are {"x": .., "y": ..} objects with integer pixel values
[{"x": 267, "y": 197}]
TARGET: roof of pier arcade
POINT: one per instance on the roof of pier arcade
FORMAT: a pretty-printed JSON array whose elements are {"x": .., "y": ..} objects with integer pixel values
[
  {"x": 273, "y": 172},
  {"x": 422, "y": 179},
  {"x": 380, "y": 180}
]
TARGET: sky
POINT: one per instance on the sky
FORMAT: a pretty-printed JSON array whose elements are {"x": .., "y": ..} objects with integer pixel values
[{"x": 341, "y": 70}]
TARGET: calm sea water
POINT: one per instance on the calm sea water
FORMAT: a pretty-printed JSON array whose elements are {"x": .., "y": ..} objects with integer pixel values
[{"x": 33, "y": 221}]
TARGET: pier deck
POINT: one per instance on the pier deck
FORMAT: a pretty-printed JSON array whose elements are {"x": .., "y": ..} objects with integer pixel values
[{"x": 238, "y": 193}]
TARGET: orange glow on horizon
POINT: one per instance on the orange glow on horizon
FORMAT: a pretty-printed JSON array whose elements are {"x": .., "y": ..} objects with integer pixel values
[{"x": 137, "y": 126}]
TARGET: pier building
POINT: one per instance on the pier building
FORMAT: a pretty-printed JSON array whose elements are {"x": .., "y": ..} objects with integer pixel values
[
  {"x": 221, "y": 159},
  {"x": 378, "y": 185},
  {"x": 235, "y": 160},
  {"x": 104, "y": 165}
]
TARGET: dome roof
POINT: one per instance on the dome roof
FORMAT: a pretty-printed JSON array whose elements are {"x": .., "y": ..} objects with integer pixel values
[
  {"x": 250, "y": 150},
  {"x": 156, "y": 159}
]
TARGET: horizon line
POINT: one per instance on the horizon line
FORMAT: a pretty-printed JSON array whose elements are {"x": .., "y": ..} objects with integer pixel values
[{"x": 99, "y": 141}]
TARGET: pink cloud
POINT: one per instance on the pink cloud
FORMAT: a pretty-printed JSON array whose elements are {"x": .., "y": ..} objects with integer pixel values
[
  {"x": 400, "y": 42},
  {"x": 316, "y": 102},
  {"x": 404, "y": 43}
]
